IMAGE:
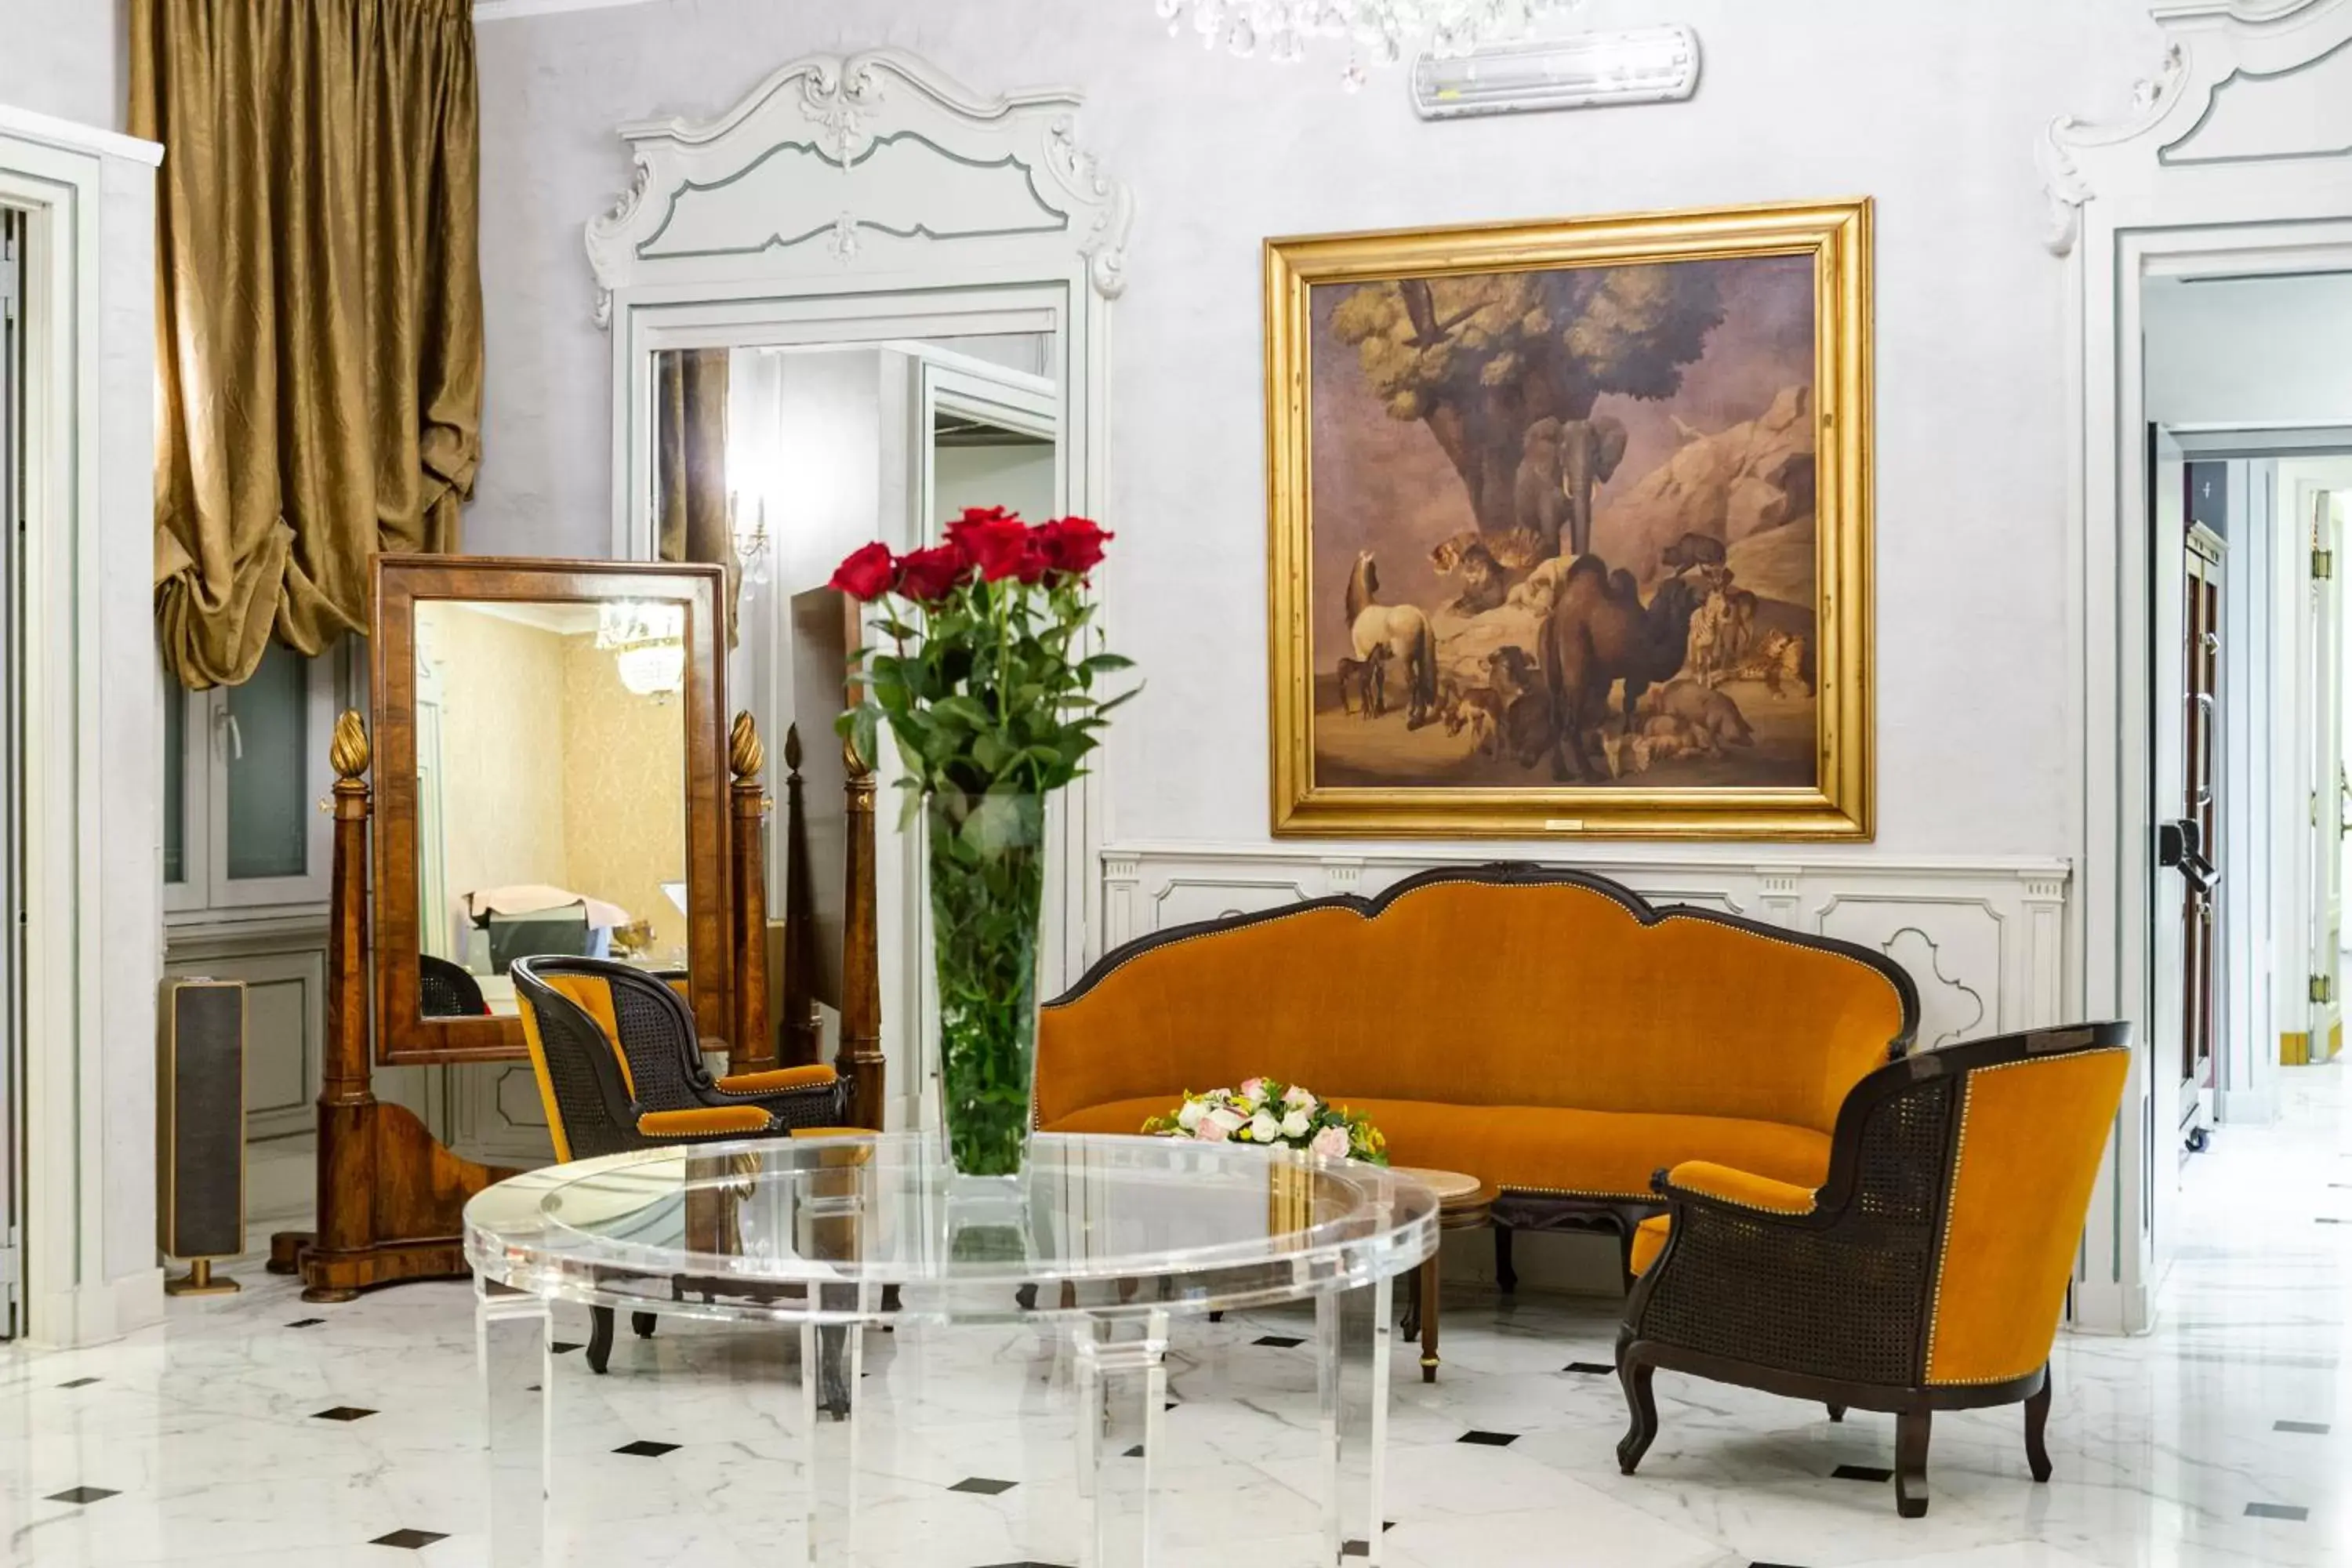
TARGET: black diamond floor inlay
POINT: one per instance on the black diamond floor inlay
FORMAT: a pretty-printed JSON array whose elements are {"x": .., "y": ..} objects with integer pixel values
[
  {"x": 643, "y": 1450},
  {"x": 341, "y": 1412},
  {"x": 410, "y": 1540},
  {"x": 1489, "y": 1439},
  {"x": 1590, "y": 1368},
  {"x": 1862, "y": 1473},
  {"x": 77, "y": 1382},
  {"x": 1024, "y": 1563},
  {"x": 2277, "y": 1510},
  {"x": 81, "y": 1494},
  {"x": 561, "y": 1346},
  {"x": 2308, "y": 1428},
  {"x": 1278, "y": 1342},
  {"x": 983, "y": 1485},
  {"x": 1134, "y": 1453},
  {"x": 306, "y": 1323}
]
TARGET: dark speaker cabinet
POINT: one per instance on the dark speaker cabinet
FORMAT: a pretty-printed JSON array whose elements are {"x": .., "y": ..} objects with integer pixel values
[{"x": 200, "y": 1125}]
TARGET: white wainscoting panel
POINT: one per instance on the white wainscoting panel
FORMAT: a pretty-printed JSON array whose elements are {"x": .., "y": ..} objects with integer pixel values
[{"x": 1983, "y": 938}]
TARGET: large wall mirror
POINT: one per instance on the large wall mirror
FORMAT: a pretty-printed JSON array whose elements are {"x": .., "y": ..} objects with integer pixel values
[
  {"x": 550, "y": 780},
  {"x": 858, "y": 303}
]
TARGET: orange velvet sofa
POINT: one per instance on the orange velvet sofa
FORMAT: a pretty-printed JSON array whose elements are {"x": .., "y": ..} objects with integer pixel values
[{"x": 1548, "y": 1031}]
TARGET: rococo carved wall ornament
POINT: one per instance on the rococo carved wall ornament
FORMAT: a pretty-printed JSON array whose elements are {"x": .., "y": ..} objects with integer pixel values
[{"x": 835, "y": 163}]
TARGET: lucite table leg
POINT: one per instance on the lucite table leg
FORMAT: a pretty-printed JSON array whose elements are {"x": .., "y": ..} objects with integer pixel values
[
  {"x": 1352, "y": 1346},
  {"x": 832, "y": 1358},
  {"x": 1119, "y": 1359},
  {"x": 518, "y": 1376}
]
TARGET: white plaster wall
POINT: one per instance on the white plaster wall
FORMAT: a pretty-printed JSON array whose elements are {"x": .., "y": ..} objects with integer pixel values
[
  {"x": 65, "y": 58},
  {"x": 2257, "y": 351},
  {"x": 1933, "y": 111}
]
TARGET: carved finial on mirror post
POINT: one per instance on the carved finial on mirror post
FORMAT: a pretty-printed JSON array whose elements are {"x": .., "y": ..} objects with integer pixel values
[
  {"x": 791, "y": 749},
  {"x": 745, "y": 755},
  {"x": 349, "y": 749}
]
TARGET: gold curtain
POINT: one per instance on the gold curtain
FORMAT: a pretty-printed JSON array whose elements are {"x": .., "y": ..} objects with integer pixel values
[
  {"x": 691, "y": 479},
  {"x": 319, "y": 375}
]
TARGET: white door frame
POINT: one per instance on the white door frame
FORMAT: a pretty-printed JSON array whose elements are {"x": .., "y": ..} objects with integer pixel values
[
  {"x": 2223, "y": 165},
  {"x": 93, "y": 825}
]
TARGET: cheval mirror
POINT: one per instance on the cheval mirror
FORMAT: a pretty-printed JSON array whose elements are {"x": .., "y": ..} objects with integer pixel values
[
  {"x": 551, "y": 774},
  {"x": 550, "y": 763}
]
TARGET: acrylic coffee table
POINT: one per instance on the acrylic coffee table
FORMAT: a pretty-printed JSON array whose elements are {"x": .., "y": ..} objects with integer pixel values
[{"x": 1110, "y": 1242}]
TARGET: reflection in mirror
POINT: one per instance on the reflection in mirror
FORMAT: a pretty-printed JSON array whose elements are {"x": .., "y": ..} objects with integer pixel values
[
  {"x": 777, "y": 460},
  {"x": 551, "y": 788}
]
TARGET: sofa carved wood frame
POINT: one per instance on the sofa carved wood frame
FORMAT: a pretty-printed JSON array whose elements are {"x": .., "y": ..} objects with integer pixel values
[
  {"x": 1516, "y": 1208},
  {"x": 1840, "y": 1302}
]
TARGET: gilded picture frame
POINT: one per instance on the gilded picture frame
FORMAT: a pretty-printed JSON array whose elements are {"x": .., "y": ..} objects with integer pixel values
[{"x": 1464, "y": 426}]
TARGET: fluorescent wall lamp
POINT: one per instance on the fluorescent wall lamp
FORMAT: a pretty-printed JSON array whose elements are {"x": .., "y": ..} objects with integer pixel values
[{"x": 1588, "y": 70}]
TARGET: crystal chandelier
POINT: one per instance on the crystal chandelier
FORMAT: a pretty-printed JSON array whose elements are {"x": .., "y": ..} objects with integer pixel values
[
  {"x": 1380, "y": 30},
  {"x": 647, "y": 641}
]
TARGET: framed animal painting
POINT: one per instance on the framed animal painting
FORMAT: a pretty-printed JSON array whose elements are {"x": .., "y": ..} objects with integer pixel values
[{"x": 1571, "y": 527}]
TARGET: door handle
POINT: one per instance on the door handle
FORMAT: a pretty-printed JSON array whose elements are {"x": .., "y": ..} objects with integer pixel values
[{"x": 2181, "y": 845}]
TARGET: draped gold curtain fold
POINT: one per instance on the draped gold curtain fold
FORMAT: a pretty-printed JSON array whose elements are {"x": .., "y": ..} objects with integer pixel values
[
  {"x": 319, "y": 377},
  {"x": 690, "y": 394}
]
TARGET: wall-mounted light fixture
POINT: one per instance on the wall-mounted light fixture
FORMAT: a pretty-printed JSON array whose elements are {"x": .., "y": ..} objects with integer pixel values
[{"x": 1581, "y": 70}]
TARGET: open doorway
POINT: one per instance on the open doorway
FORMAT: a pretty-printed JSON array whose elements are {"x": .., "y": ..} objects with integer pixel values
[{"x": 2247, "y": 387}]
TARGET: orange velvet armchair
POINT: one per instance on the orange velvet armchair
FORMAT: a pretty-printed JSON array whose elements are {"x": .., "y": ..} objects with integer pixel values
[{"x": 1928, "y": 1273}]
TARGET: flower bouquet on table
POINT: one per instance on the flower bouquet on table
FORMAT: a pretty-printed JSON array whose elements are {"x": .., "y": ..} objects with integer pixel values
[
  {"x": 1267, "y": 1112},
  {"x": 985, "y": 682}
]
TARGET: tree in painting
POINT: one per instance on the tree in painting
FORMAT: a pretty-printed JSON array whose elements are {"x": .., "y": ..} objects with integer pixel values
[{"x": 1504, "y": 368}]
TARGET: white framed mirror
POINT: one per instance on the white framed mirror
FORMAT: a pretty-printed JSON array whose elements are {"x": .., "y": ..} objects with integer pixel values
[{"x": 863, "y": 299}]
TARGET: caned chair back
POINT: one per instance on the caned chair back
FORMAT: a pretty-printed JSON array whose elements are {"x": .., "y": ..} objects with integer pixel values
[
  {"x": 1957, "y": 1185},
  {"x": 569, "y": 1026},
  {"x": 447, "y": 991}
]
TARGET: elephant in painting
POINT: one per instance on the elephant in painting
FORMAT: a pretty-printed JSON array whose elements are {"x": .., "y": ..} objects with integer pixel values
[{"x": 1561, "y": 463}]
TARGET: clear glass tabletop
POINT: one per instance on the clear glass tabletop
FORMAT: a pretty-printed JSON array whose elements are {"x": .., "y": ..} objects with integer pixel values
[{"x": 846, "y": 1230}]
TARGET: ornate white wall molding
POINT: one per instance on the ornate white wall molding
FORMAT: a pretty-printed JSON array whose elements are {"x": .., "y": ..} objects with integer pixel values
[
  {"x": 2199, "y": 109},
  {"x": 1984, "y": 938},
  {"x": 865, "y": 165},
  {"x": 2231, "y": 162}
]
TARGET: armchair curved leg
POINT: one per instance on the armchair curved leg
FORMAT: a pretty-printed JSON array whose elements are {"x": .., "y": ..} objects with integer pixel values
[
  {"x": 643, "y": 1323},
  {"x": 1911, "y": 1429},
  {"x": 600, "y": 1339},
  {"x": 2037, "y": 1420},
  {"x": 1643, "y": 1406},
  {"x": 1837, "y": 1412}
]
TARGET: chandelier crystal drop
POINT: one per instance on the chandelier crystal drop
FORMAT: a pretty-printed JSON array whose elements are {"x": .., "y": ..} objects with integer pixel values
[{"x": 1380, "y": 31}]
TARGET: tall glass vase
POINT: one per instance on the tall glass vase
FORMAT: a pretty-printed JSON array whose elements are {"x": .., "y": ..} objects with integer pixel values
[{"x": 987, "y": 856}]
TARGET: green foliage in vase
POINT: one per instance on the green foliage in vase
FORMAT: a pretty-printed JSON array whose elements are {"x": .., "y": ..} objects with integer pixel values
[{"x": 988, "y": 694}]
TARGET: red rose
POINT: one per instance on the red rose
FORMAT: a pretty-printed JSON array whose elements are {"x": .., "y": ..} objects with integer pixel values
[
  {"x": 927, "y": 576},
  {"x": 973, "y": 514},
  {"x": 1072, "y": 544},
  {"x": 1000, "y": 546},
  {"x": 868, "y": 574}
]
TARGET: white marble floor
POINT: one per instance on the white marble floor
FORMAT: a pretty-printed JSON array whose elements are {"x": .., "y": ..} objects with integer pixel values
[{"x": 2222, "y": 1439}]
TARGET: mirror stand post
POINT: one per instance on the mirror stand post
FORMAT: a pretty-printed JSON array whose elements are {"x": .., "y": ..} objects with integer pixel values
[
  {"x": 390, "y": 1197},
  {"x": 753, "y": 1048},
  {"x": 861, "y": 1060},
  {"x": 804, "y": 1026}
]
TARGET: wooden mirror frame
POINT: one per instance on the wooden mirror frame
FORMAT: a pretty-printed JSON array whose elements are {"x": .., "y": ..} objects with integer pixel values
[{"x": 404, "y": 1036}]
